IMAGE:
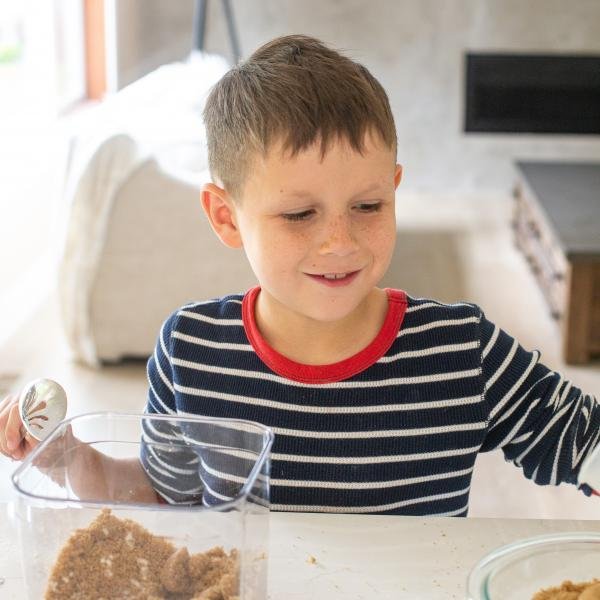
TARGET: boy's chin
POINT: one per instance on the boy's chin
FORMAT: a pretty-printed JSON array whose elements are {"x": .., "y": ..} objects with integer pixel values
[{"x": 330, "y": 314}]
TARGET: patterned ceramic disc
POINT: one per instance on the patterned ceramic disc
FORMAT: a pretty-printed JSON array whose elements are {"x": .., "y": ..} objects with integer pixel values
[{"x": 42, "y": 406}]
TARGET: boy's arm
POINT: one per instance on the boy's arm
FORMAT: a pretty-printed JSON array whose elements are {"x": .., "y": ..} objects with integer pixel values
[
  {"x": 541, "y": 421},
  {"x": 15, "y": 443},
  {"x": 67, "y": 460},
  {"x": 93, "y": 475},
  {"x": 165, "y": 471},
  {"x": 171, "y": 466}
]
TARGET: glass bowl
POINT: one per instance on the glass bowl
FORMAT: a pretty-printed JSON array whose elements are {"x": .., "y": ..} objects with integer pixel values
[
  {"x": 86, "y": 538},
  {"x": 519, "y": 570}
]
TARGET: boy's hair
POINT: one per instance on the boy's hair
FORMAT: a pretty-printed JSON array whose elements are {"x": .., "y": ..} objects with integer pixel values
[{"x": 293, "y": 90}]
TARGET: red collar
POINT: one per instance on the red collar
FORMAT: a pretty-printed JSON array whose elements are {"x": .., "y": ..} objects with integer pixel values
[{"x": 335, "y": 371}]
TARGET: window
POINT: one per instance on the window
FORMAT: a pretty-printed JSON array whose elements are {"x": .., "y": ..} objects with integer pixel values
[{"x": 42, "y": 74}]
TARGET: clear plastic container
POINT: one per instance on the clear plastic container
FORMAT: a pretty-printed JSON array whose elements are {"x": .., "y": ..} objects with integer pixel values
[
  {"x": 216, "y": 470},
  {"x": 518, "y": 571}
]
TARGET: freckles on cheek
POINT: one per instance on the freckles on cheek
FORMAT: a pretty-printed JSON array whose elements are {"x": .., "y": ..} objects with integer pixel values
[
  {"x": 377, "y": 234},
  {"x": 384, "y": 242}
]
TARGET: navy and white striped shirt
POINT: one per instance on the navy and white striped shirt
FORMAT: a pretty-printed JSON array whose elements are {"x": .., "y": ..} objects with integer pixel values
[{"x": 394, "y": 429}]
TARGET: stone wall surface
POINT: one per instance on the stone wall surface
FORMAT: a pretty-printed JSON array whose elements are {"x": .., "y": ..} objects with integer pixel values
[{"x": 416, "y": 49}]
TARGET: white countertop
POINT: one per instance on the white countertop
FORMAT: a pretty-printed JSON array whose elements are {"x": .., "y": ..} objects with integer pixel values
[
  {"x": 358, "y": 556},
  {"x": 364, "y": 556}
]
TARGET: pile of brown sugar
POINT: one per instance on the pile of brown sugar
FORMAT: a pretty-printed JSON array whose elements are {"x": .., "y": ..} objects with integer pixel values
[
  {"x": 116, "y": 558},
  {"x": 588, "y": 590}
]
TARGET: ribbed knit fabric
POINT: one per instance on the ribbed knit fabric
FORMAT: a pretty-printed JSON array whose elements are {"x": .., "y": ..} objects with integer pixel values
[{"x": 395, "y": 429}]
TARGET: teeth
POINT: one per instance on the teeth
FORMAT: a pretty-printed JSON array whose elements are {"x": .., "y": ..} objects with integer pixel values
[{"x": 335, "y": 275}]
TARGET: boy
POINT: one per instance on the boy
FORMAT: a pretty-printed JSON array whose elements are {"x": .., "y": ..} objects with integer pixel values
[{"x": 379, "y": 402}]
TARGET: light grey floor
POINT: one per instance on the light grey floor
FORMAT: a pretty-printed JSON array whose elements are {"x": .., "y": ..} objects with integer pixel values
[{"x": 450, "y": 248}]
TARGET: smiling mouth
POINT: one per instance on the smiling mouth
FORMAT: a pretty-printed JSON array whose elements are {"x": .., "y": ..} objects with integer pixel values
[{"x": 333, "y": 276}]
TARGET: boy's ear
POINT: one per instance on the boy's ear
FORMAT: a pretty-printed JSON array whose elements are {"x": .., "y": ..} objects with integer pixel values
[
  {"x": 397, "y": 175},
  {"x": 218, "y": 206}
]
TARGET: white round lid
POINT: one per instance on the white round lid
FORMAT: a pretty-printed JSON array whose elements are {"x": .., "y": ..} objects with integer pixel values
[{"x": 42, "y": 406}]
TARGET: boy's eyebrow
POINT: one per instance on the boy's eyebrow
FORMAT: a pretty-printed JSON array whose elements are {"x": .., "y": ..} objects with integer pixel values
[{"x": 308, "y": 195}]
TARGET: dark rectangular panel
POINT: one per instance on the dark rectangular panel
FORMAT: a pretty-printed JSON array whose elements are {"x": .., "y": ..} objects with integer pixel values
[{"x": 524, "y": 93}]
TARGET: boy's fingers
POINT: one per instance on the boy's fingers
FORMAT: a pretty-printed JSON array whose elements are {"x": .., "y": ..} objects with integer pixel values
[
  {"x": 5, "y": 407},
  {"x": 18, "y": 454},
  {"x": 3, "y": 446},
  {"x": 13, "y": 432}
]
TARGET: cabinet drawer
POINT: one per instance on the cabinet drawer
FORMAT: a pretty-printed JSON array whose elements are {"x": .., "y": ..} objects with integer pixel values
[
  {"x": 536, "y": 240},
  {"x": 556, "y": 223}
]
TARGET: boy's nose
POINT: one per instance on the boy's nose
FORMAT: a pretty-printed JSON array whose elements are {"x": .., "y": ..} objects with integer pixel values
[{"x": 338, "y": 237}]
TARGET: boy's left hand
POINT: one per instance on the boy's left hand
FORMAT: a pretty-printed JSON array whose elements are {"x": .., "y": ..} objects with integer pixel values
[{"x": 15, "y": 442}]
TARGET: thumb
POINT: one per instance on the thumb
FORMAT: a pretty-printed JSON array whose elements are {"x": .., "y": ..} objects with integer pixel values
[{"x": 14, "y": 432}]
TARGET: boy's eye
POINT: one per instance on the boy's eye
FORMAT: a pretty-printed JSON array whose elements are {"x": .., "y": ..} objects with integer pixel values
[
  {"x": 299, "y": 216},
  {"x": 369, "y": 207},
  {"x": 364, "y": 207}
]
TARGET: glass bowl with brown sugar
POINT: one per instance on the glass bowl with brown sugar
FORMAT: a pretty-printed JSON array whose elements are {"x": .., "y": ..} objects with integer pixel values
[{"x": 562, "y": 566}]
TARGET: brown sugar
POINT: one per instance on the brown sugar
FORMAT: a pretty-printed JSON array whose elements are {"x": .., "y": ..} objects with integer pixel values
[
  {"x": 588, "y": 590},
  {"x": 175, "y": 575},
  {"x": 116, "y": 558}
]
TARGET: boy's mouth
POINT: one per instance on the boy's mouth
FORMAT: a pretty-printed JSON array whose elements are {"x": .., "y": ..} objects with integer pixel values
[{"x": 334, "y": 279}]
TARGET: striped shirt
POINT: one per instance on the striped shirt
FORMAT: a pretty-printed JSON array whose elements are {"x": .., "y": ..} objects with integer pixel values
[{"x": 394, "y": 429}]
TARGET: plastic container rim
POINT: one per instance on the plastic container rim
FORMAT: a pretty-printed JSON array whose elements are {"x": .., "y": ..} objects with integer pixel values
[
  {"x": 267, "y": 433},
  {"x": 478, "y": 577}
]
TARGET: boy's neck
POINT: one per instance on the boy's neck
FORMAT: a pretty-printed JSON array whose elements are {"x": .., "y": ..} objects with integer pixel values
[{"x": 313, "y": 342}]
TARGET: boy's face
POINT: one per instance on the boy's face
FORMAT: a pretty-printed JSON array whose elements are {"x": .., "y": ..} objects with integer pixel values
[{"x": 319, "y": 234}]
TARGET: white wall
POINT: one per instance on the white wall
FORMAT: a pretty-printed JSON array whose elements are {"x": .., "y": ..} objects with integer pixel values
[{"x": 415, "y": 48}]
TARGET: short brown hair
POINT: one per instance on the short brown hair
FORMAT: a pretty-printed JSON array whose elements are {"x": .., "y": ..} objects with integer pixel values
[{"x": 296, "y": 90}]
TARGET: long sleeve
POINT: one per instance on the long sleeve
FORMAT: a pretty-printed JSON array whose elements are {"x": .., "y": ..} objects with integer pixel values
[
  {"x": 161, "y": 394},
  {"x": 171, "y": 466},
  {"x": 542, "y": 422}
]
